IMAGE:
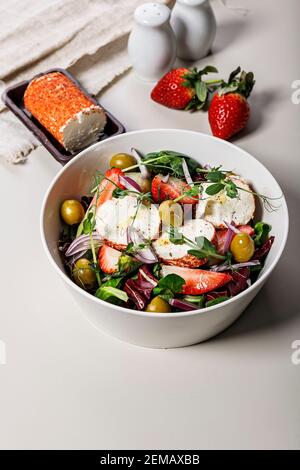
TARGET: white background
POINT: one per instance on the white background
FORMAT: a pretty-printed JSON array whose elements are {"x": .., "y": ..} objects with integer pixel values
[{"x": 66, "y": 385}]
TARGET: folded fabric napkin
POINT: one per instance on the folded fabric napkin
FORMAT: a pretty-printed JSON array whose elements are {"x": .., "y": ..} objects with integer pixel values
[{"x": 87, "y": 37}]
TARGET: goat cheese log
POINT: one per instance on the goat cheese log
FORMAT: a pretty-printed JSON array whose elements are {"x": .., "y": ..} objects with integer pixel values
[{"x": 64, "y": 110}]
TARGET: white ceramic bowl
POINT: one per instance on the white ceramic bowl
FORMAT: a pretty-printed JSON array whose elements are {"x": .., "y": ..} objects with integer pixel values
[{"x": 172, "y": 329}]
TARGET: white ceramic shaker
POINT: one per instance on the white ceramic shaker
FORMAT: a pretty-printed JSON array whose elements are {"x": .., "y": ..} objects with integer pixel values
[
  {"x": 152, "y": 44},
  {"x": 194, "y": 25}
]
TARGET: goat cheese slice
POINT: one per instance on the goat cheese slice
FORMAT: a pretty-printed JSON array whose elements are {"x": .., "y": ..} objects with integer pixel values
[
  {"x": 220, "y": 208},
  {"x": 166, "y": 250},
  {"x": 116, "y": 215}
]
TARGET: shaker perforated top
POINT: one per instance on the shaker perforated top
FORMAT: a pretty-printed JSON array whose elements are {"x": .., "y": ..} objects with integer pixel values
[{"x": 152, "y": 14}]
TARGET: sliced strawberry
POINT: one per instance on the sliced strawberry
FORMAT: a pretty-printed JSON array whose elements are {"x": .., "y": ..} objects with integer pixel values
[
  {"x": 220, "y": 240},
  {"x": 172, "y": 189},
  {"x": 107, "y": 186},
  {"x": 246, "y": 229},
  {"x": 198, "y": 281},
  {"x": 221, "y": 236},
  {"x": 108, "y": 259}
]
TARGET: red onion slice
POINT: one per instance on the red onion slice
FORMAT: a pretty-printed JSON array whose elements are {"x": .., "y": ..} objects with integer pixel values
[
  {"x": 145, "y": 255},
  {"x": 232, "y": 227},
  {"x": 165, "y": 179},
  {"x": 186, "y": 172},
  {"x": 227, "y": 267},
  {"x": 219, "y": 267},
  {"x": 183, "y": 305},
  {"x": 229, "y": 236},
  {"x": 143, "y": 169},
  {"x": 84, "y": 246},
  {"x": 83, "y": 243},
  {"x": 130, "y": 184}
]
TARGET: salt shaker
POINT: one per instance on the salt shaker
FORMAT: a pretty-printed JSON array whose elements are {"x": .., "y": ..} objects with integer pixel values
[
  {"x": 194, "y": 25},
  {"x": 152, "y": 44}
]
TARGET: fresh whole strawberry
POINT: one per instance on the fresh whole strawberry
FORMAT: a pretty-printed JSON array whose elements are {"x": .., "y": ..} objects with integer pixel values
[
  {"x": 229, "y": 110},
  {"x": 182, "y": 88}
]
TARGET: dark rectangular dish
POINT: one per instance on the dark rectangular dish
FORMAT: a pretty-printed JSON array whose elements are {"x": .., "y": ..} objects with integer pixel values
[{"x": 13, "y": 98}]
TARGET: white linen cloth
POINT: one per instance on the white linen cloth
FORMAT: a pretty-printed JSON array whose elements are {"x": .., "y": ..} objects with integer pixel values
[{"x": 89, "y": 37}]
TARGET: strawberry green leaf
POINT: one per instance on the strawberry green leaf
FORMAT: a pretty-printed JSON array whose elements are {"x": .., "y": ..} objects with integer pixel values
[
  {"x": 200, "y": 105},
  {"x": 201, "y": 91},
  {"x": 242, "y": 84},
  {"x": 234, "y": 74},
  {"x": 228, "y": 88},
  {"x": 209, "y": 69},
  {"x": 186, "y": 84}
]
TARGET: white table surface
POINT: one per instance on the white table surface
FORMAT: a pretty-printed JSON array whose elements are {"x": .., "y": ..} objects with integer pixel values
[{"x": 66, "y": 385}]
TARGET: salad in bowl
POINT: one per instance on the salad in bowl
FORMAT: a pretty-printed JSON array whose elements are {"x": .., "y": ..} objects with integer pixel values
[{"x": 160, "y": 232}]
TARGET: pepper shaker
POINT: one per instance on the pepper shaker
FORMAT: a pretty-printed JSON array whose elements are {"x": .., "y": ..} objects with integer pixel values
[
  {"x": 152, "y": 44},
  {"x": 194, "y": 25}
]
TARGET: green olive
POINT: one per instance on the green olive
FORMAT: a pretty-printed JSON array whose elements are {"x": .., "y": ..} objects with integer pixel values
[
  {"x": 72, "y": 211},
  {"x": 144, "y": 183},
  {"x": 83, "y": 274},
  {"x": 171, "y": 213},
  {"x": 242, "y": 247},
  {"x": 122, "y": 161},
  {"x": 158, "y": 305}
]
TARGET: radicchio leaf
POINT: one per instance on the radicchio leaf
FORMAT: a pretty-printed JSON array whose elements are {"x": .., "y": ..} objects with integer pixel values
[
  {"x": 145, "y": 282},
  {"x": 131, "y": 290},
  {"x": 239, "y": 281},
  {"x": 216, "y": 294},
  {"x": 199, "y": 177},
  {"x": 182, "y": 305},
  {"x": 140, "y": 289},
  {"x": 262, "y": 251}
]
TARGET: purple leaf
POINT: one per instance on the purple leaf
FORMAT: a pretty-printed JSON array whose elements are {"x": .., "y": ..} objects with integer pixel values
[
  {"x": 199, "y": 177},
  {"x": 146, "y": 281},
  {"x": 139, "y": 290},
  {"x": 239, "y": 281},
  {"x": 131, "y": 290},
  {"x": 216, "y": 294},
  {"x": 262, "y": 251},
  {"x": 145, "y": 274},
  {"x": 182, "y": 305}
]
